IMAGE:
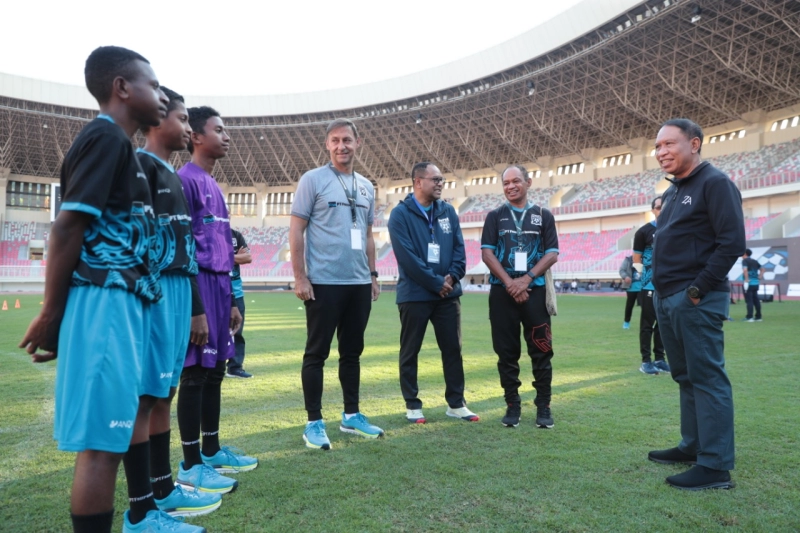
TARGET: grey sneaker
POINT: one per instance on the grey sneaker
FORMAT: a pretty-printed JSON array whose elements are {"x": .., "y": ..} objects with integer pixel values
[
  {"x": 648, "y": 368},
  {"x": 662, "y": 366}
]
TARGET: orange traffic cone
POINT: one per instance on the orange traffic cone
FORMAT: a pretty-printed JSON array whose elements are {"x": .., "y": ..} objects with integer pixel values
[
  {"x": 16, "y": 305},
  {"x": 5, "y": 305}
]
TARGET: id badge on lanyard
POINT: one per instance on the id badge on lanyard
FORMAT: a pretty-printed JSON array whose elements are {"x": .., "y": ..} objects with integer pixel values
[
  {"x": 355, "y": 239},
  {"x": 433, "y": 253},
  {"x": 520, "y": 260}
]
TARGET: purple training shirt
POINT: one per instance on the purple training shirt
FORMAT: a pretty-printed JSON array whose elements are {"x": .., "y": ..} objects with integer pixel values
[{"x": 210, "y": 222}]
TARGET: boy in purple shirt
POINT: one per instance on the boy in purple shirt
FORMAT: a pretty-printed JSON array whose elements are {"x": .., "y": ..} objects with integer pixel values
[{"x": 204, "y": 369}]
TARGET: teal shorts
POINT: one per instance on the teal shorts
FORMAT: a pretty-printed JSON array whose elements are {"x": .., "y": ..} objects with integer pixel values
[
  {"x": 102, "y": 341},
  {"x": 171, "y": 320}
]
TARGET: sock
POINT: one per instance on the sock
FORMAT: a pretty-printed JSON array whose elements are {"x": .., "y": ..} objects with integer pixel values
[
  {"x": 160, "y": 469},
  {"x": 93, "y": 523},
  {"x": 189, "y": 398},
  {"x": 212, "y": 398},
  {"x": 137, "y": 470},
  {"x": 348, "y": 416}
]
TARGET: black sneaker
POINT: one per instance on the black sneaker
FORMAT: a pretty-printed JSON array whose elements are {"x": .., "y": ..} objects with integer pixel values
[
  {"x": 513, "y": 411},
  {"x": 238, "y": 373},
  {"x": 672, "y": 456},
  {"x": 700, "y": 478},
  {"x": 544, "y": 419}
]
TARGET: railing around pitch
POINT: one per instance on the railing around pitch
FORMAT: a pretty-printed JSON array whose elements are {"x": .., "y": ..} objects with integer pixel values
[{"x": 32, "y": 272}]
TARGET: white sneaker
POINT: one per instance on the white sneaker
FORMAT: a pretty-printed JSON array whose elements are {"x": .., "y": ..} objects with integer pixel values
[
  {"x": 415, "y": 416},
  {"x": 463, "y": 413}
]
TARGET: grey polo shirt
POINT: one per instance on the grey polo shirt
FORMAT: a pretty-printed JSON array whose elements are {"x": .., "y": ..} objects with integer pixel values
[{"x": 321, "y": 200}]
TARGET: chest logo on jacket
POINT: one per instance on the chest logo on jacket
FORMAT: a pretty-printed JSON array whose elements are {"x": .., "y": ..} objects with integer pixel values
[
  {"x": 536, "y": 220},
  {"x": 444, "y": 223},
  {"x": 687, "y": 200}
]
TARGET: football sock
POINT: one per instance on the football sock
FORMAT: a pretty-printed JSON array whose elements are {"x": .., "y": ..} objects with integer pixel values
[
  {"x": 137, "y": 470},
  {"x": 212, "y": 397},
  {"x": 93, "y": 523},
  {"x": 160, "y": 469},
  {"x": 189, "y": 397}
]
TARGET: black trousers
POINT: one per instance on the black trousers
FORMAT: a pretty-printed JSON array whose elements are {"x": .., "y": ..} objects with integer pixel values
[
  {"x": 751, "y": 298},
  {"x": 648, "y": 328},
  {"x": 630, "y": 301},
  {"x": 445, "y": 315},
  {"x": 344, "y": 310},
  {"x": 506, "y": 315},
  {"x": 237, "y": 361}
]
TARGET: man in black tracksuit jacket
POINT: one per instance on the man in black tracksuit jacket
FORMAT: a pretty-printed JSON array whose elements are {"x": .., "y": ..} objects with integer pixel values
[
  {"x": 700, "y": 236},
  {"x": 427, "y": 242}
]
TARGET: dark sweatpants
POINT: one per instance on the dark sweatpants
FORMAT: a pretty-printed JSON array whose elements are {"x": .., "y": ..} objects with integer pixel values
[
  {"x": 648, "y": 329},
  {"x": 237, "y": 361},
  {"x": 344, "y": 310},
  {"x": 506, "y": 315},
  {"x": 630, "y": 301},
  {"x": 445, "y": 315},
  {"x": 751, "y": 298}
]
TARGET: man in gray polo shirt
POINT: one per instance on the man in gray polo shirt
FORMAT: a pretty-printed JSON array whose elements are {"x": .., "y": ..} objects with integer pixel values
[{"x": 333, "y": 207}]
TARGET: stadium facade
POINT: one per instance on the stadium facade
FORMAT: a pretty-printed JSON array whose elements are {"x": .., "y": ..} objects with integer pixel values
[{"x": 577, "y": 101}]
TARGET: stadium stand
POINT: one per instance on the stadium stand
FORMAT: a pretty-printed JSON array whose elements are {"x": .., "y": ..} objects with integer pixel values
[
  {"x": 265, "y": 245},
  {"x": 752, "y": 226},
  {"x": 770, "y": 165}
]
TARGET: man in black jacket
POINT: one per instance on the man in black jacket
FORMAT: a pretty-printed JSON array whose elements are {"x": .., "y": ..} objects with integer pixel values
[{"x": 699, "y": 238}]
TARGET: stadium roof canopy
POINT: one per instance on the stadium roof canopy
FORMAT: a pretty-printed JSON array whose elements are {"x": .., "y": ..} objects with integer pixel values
[{"x": 601, "y": 74}]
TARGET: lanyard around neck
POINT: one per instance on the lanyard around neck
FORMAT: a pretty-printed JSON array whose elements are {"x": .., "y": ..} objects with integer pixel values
[
  {"x": 430, "y": 217},
  {"x": 518, "y": 222},
  {"x": 351, "y": 195}
]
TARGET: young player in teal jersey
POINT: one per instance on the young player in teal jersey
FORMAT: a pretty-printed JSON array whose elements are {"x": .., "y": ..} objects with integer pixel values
[
  {"x": 99, "y": 286},
  {"x": 150, "y": 483}
]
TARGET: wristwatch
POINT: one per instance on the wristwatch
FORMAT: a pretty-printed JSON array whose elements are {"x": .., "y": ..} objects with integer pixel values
[
  {"x": 693, "y": 292},
  {"x": 374, "y": 273}
]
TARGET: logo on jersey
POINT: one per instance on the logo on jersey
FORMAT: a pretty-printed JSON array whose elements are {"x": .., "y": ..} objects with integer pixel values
[
  {"x": 166, "y": 375},
  {"x": 127, "y": 424},
  {"x": 444, "y": 223},
  {"x": 362, "y": 190},
  {"x": 536, "y": 220},
  {"x": 687, "y": 200}
]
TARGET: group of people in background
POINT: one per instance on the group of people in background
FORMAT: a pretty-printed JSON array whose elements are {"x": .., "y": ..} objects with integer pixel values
[{"x": 143, "y": 298}]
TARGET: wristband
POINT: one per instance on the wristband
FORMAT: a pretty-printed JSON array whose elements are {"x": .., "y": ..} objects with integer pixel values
[{"x": 374, "y": 273}]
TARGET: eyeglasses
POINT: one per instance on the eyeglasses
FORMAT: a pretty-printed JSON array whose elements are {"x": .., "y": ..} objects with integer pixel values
[{"x": 437, "y": 180}]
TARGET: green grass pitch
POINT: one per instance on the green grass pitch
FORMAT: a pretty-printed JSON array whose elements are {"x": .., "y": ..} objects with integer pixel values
[{"x": 589, "y": 473}]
